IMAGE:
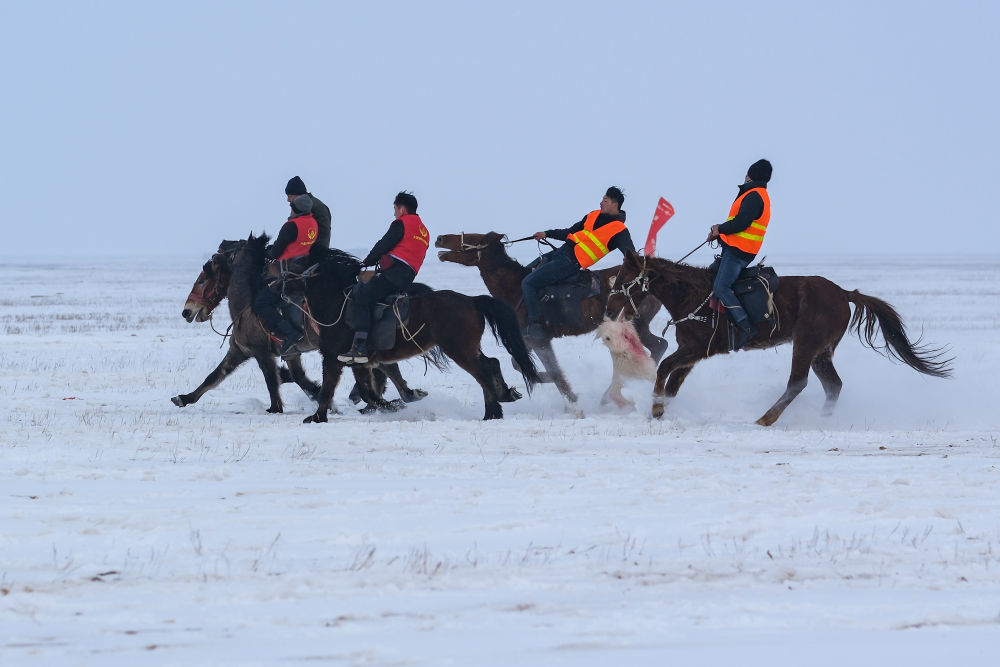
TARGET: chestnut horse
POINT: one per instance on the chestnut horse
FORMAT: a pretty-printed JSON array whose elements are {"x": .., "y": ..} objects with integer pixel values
[
  {"x": 219, "y": 279},
  {"x": 813, "y": 314},
  {"x": 503, "y": 275}
]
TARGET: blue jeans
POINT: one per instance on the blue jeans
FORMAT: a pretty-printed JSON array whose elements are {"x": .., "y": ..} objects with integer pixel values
[
  {"x": 729, "y": 271},
  {"x": 560, "y": 266}
]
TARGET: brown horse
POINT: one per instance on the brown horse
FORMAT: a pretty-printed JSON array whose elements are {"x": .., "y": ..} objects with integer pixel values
[
  {"x": 503, "y": 275},
  {"x": 453, "y": 322},
  {"x": 813, "y": 314},
  {"x": 219, "y": 279}
]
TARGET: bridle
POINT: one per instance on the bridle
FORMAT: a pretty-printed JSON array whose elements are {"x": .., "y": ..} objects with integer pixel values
[
  {"x": 211, "y": 293},
  {"x": 641, "y": 281}
]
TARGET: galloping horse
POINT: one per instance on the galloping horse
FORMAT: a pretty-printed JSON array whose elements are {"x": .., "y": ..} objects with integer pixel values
[
  {"x": 813, "y": 314},
  {"x": 503, "y": 275},
  {"x": 220, "y": 278},
  {"x": 453, "y": 322}
]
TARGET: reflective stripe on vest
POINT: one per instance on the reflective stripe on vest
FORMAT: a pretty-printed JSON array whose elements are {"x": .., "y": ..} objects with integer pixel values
[
  {"x": 306, "y": 232},
  {"x": 592, "y": 244},
  {"x": 412, "y": 249},
  {"x": 751, "y": 238}
]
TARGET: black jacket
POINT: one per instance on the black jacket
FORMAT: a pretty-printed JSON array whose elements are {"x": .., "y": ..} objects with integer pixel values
[
  {"x": 621, "y": 241},
  {"x": 324, "y": 220},
  {"x": 388, "y": 241},
  {"x": 751, "y": 208}
]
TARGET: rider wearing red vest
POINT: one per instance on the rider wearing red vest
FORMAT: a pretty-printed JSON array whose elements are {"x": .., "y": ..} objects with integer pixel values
[
  {"x": 741, "y": 237},
  {"x": 291, "y": 247},
  {"x": 596, "y": 235},
  {"x": 399, "y": 254}
]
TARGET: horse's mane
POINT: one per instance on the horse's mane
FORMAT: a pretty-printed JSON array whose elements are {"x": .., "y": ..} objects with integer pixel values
[
  {"x": 337, "y": 268},
  {"x": 678, "y": 273},
  {"x": 501, "y": 252}
]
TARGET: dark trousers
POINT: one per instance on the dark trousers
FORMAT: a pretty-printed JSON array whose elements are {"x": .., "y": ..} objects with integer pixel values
[
  {"x": 730, "y": 266},
  {"x": 266, "y": 307},
  {"x": 560, "y": 266},
  {"x": 395, "y": 279}
]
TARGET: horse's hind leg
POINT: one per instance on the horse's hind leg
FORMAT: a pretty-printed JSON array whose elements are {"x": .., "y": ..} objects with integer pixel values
[
  {"x": 503, "y": 392},
  {"x": 229, "y": 363},
  {"x": 473, "y": 362},
  {"x": 822, "y": 366},
  {"x": 797, "y": 380}
]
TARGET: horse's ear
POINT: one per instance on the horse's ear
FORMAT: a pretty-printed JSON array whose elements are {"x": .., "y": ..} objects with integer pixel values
[
  {"x": 493, "y": 237},
  {"x": 250, "y": 238}
]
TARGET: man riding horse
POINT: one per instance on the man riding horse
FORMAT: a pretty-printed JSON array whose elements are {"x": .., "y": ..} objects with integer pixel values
[
  {"x": 597, "y": 234},
  {"x": 399, "y": 254},
  {"x": 741, "y": 237},
  {"x": 291, "y": 250}
]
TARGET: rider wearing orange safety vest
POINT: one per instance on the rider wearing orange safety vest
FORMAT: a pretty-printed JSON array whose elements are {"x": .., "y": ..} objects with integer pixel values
[
  {"x": 596, "y": 235},
  {"x": 741, "y": 236}
]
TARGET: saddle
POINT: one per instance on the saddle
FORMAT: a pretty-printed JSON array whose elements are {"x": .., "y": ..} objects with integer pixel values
[
  {"x": 562, "y": 301},
  {"x": 754, "y": 289},
  {"x": 387, "y": 316}
]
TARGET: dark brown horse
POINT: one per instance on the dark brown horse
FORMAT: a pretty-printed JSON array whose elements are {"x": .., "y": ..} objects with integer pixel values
[
  {"x": 220, "y": 278},
  {"x": 813, "y": 314},
  {"x": 503, "y": 275},
  {"x": 453, "y": 322}
]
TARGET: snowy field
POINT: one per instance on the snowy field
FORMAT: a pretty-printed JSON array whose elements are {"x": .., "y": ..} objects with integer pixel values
[{"x": 135, "y": 532}]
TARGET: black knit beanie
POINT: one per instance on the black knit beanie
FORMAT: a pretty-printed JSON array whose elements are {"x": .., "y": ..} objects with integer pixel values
[
  {"x": 760, "y": 171},
  {"x": 295, "y": 186}
]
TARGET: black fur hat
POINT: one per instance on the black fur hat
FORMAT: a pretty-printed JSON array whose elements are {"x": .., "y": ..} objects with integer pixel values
[
  {"x": 760, "y": 171},
  {"x": 295, "y": 186}
]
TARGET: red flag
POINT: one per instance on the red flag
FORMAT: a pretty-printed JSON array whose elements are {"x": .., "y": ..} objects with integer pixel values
[{"x": 663, "y": 212}]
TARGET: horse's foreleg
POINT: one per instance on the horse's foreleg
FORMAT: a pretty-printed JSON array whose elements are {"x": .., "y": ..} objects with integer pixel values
[
  {"x": 676, "y": 367},
  {"x": 551, "y": 364},
  {"x": 822, "y": 366},
  {"x": 647, "y": 311},
  {"x": 229, "y": 363},
  {"x": 270, "y": 370},
  {"x": 331, "y": 376},
  {"x": 797, "y": 381},
  {"x": 408, "y": 395}
]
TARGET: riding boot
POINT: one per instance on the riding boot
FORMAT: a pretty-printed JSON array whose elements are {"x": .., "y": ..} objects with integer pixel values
[
  {"x": 533, "y": 333},
  {"x": 290, "y": 336},
  {"x": 358, "y": 354},
  {"x": 747, "y": 331}
]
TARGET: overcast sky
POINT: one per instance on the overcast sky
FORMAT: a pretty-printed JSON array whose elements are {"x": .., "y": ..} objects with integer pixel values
[{"x": 151, "y": 128}]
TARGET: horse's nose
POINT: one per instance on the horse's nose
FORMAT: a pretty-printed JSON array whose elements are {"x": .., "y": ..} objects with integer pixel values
[
  {"x": 439, "y": 242},
  {"x": 186, "y": 314}
]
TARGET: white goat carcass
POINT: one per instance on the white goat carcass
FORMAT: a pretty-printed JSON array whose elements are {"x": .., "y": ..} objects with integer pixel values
[{"x": 629, "y": 359}]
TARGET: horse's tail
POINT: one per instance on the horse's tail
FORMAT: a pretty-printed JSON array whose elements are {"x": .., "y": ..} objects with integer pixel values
[
  {"x": 503, "y": 324},
  {"x": 870, "y": 311}
]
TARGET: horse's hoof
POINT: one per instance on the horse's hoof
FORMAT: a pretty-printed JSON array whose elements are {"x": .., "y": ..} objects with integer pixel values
[
  {"x": 314, "y": 419},
  {"x": 368, "y": 409},
  {"x": 414, "y": 395},
  {"x": 275, "y": 410},
  {"x": 657, "y": 410},
  {"x": 510, "y": 395},
  {"x": 395, "y": 405},
  {"x": 766, "y": 421},
  {"x": 178, "y": 401}
]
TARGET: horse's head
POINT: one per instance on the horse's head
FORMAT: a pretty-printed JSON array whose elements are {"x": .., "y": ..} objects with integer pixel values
[
  {"x": 211, "y": 286},
  {"x": 467, "y": 249},
  {"x": 630, "y": 287}
]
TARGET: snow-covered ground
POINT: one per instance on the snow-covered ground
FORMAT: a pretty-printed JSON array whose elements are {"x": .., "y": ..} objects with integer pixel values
[{"x": 135, "y": 532}]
